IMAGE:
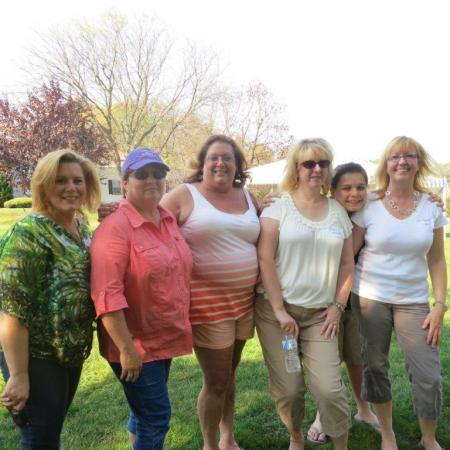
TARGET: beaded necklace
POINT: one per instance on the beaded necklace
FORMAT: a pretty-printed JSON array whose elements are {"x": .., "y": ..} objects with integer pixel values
[{"x": 404, "y": 212}]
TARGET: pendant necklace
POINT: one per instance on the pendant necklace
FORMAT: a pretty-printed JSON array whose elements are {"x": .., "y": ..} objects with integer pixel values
[{"x": 404, "y": 212}]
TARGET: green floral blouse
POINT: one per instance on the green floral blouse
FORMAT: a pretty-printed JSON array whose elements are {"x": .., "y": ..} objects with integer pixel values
[{"x": 44, "y": 281}]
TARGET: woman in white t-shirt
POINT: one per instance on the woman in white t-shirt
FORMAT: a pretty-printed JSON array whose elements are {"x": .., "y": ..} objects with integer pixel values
[
  {"x": 306, "y": 263},
  {"x": 402, "y": 232}
]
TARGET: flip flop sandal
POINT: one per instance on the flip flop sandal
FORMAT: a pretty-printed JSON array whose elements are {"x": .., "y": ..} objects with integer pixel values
[{"x": 318, "y": 433}]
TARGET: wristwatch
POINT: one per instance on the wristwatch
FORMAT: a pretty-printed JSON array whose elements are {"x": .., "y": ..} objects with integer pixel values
[{"x": 339, "y": 306}]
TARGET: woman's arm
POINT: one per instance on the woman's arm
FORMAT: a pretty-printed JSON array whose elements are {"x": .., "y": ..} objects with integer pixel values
[
  {"x": 267, "y": 247},
  {"x": 105, "y": 209},
  {"x": 344, "y": 283},
  {"x": 438, "y": 273},
  {"x": 358, "y": 235},
  {"x": 345, "y": 275},
  {"x": 179, "y": 202},
  {"x": 24, "y": 263},
  {"x": 110, "y": 253},
  {"x": 130, "y": 361},
  {"x": 14, "y": 342}
]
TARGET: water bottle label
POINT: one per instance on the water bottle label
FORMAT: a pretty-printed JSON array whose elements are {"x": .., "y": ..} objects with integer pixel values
[{"x": 289, "y": 344}]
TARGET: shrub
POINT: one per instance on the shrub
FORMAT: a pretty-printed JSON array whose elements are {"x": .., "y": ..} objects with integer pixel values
[
  {"x": 19, "y": 202},
  {"x": 6, "y": 192}
]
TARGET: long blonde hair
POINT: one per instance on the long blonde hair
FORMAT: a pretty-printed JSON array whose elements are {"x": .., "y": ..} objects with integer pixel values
[
  {"x": 297, "y": 154},
  {"x": 403, "y": 144},
  {"x": 44, "y": 176}
]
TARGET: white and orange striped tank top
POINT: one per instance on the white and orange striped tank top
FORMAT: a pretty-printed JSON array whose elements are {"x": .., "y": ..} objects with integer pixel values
[{"x": 225, "y": 262}]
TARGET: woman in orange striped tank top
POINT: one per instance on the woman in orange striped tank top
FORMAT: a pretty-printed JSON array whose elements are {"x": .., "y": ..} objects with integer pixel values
[{"x": 219, "y": 220}]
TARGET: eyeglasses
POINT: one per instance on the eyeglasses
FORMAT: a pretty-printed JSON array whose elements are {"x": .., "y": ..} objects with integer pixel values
[
  {"x": 153, "y": 171},
  {"x": 311, "y": 164},
  {"x": 216, "y": 158},
  {"x": 399, "y": 156}
]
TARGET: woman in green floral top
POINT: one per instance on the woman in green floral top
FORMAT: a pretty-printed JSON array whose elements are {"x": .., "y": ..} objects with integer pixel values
[{"x": 46, "y": 314}]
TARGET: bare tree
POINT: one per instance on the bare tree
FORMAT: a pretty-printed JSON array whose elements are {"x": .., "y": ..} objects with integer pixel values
[
  {"x": 140, "y": 86},
  {"x": 253, "y": 117}
]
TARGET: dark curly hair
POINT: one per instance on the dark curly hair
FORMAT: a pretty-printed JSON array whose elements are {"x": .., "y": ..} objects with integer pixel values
[{"x": 241, "y": 164}]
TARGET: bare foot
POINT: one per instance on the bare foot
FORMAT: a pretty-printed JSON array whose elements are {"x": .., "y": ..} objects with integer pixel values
[
  {"x": 227, "y": 446},
  {"x": 388, "y": 442},
  {"x": 368, "y": 416},
  {"x": 296, "y": 444},
  {"x": 429, "y": 445}
]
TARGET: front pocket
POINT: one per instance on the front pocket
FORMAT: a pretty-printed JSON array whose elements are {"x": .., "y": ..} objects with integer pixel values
[{"x": 152, "y": 260}]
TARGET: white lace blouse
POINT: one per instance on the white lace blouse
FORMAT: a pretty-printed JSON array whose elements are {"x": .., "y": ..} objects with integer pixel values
[{"x": 309, "y": 252}]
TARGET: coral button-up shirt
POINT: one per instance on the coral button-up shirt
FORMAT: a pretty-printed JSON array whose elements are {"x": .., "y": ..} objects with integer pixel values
[{"x": 144, "y": 271}]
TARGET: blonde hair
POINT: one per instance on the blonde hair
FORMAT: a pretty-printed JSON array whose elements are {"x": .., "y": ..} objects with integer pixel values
[
  {"x": 320, "y": 148},
  {"x": 44, "y": 176},
  {"x": 403, "y": 144}
]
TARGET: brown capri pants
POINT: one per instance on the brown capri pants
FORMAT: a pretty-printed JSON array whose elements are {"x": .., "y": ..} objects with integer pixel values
[
  {"x": 377, "y": 321},
  {"x": 349, "y": 339},
  {"x": 321, "y": 362}
]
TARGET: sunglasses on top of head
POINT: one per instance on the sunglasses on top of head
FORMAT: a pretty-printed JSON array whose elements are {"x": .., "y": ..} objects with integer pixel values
[
  {"x": 156, "y": 172},
  {"x": 311, "y": 164}
]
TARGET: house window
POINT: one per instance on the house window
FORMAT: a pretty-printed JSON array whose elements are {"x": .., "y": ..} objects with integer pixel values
[{"x": 114, "y": 187}]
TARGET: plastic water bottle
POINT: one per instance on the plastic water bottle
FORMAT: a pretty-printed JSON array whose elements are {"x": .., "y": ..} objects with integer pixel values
[{"x": 291, "y": 359}]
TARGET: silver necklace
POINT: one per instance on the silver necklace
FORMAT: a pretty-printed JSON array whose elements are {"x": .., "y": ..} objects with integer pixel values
[{"x": 405, "y": 212}]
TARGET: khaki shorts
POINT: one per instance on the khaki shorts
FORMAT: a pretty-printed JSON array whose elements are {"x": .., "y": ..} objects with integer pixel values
[
  {"x": 221, "y": 335},
  {"x": 349, "y": 339}
]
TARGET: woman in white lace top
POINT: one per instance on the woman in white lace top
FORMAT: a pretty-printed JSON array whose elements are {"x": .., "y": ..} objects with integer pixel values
[{"x": 306, "y": 262}]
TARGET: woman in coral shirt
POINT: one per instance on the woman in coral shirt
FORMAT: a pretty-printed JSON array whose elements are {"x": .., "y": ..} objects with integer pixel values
[{"x": 141, "y": 268}]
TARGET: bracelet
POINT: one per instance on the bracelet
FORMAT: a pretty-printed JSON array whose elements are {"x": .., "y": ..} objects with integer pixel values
[
  {"x": 339, "y": 306},
  {"x": 441, "y": 302}
]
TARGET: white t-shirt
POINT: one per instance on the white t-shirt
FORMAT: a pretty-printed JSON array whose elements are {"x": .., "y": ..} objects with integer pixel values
[
  {"x": 309, "y": 253},
  {"x": 392, "y": 265}
]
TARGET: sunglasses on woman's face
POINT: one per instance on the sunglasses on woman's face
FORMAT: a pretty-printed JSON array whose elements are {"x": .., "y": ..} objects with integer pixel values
[
  {"x": 311, "y": 164},
  {"x": 153, "y": 171}
]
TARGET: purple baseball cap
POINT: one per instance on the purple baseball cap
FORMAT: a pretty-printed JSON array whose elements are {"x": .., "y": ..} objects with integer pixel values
[{"x": 140, "y": 157}]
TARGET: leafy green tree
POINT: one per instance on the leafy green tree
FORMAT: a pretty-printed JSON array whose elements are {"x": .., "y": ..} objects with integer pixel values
[{"x": 6, "y": 192}]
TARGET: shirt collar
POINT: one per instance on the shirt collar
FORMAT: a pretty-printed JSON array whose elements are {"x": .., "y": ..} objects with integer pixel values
[{"x": 135, "y": 217}]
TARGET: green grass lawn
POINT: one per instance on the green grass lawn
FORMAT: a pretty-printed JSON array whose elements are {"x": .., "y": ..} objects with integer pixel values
[
  {"x": 9, "y": 216},
  {"x": 97, "y": 417}
]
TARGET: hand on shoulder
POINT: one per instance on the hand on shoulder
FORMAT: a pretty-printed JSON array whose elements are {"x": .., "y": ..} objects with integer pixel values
[{"x": 106, "y": 209}]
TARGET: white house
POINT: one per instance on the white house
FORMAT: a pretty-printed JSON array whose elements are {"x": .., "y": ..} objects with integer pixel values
[{"x": 110, "y": 183}]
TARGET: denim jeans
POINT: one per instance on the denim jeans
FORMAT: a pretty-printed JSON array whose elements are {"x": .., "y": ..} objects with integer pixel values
[
  {"x": 52, "y": 388},
  {"x": 149, "y": 403}
]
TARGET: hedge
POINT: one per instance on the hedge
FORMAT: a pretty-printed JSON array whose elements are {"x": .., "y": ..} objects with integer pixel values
[{"x": 19, "y": 202}]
